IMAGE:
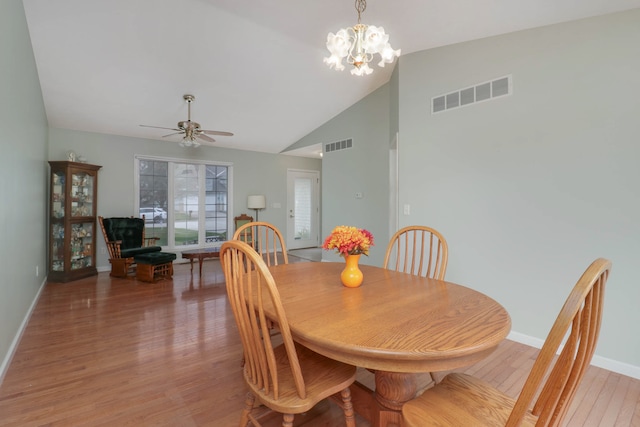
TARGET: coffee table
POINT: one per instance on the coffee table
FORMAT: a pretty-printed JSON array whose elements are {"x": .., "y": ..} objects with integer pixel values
[{"x": 200, "y": 255}]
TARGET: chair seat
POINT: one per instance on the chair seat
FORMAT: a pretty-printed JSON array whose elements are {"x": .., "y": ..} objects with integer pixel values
[
  {"x": 461, "y": 400},
  {"x": 323, "y": 377}
]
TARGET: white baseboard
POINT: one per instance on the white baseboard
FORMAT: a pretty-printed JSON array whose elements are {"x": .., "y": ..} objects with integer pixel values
[
  {"x": 599, "y": 361},
  {"x": 16, "y": 339}
]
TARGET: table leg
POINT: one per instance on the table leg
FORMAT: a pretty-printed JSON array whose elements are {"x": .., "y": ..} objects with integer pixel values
[
  {"x": 393, "y": 389},
  {"x": 200, "y": 262},
  {"x": 191, "y": 261},
  {"x": 382, "y": 408}
]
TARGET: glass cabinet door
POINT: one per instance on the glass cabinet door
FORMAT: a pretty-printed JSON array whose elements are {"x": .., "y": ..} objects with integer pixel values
[
  {"x": 57, "y": 212},
  {"x": 57, "y": 247},
  {"x": 81, "y": 245},
  {"x": 81, "y": 194},
  {"x": 57, "y": 194}
]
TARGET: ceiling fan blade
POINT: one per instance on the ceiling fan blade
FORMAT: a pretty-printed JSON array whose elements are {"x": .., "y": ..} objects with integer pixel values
[
  {"x": 175, "y": 133},
  {"x": 158, "y": 127},
  {"x": 205, "y": 137},
  {"x": 216, "y": 132}
]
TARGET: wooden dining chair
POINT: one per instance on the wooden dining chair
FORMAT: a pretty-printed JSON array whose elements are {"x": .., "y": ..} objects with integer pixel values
[
  {"x": 417, "y": 250},
  {"x": 241, "y": 220},
  {"x": 266, "y": 239},
  {"x": 463, "y": 400},
  {"x": 286, "y": 378}
]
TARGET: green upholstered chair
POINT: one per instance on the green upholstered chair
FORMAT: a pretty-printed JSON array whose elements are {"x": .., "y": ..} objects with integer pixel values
[{"x": 125, "y": 239}]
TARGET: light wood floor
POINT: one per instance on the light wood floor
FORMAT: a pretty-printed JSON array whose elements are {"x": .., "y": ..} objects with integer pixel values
[{"x": 116, "y": 352}]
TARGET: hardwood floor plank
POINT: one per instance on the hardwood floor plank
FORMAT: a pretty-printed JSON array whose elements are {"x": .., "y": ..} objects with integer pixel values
[
  {"x": 614, "y": 406},
  {"x": 102, "y": 351},
  {"x": 630, "y": 407},
  {"x": 599, "y": 408}
]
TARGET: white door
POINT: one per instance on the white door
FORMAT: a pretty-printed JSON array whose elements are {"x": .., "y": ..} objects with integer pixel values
[{"x": 303, "y": 209}]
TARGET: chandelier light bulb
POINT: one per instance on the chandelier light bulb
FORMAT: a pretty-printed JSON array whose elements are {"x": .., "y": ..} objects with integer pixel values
[{"x": 359, "y": 44}]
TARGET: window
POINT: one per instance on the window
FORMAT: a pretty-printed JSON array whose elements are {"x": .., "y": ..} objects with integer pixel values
[{"x": 184, "y": 203}]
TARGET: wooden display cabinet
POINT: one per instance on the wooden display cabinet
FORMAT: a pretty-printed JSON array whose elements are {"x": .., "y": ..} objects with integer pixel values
[{"x": 72, "y": 220}]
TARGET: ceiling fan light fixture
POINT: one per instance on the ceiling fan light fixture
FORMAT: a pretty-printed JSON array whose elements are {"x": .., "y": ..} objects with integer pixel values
[
  {"x": 192, "y": 131},
  {"x": 189, "y": 141},
  {"x": 358, "y": 44}
]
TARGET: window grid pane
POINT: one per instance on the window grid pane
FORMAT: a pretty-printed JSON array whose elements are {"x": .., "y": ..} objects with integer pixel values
[
  {"x": 153, "y": 201},
  {"x": 187, "y": 216},
  {"x": 185, "y": 204}
]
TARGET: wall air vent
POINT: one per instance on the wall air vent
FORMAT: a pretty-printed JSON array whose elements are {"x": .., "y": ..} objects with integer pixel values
[
  {"x": 338, "y": 145},
  {"x": 471, "y": 95}
]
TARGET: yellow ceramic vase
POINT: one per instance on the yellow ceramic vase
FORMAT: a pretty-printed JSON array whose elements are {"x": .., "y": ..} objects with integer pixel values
[{"x": 351, "y": 276}]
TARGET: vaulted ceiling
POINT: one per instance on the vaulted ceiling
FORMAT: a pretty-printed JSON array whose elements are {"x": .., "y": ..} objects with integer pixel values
[{"x": 254, "y": 66}]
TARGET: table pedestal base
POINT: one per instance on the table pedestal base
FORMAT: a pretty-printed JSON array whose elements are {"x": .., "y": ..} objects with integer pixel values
[{"x": 382, "y": 407}]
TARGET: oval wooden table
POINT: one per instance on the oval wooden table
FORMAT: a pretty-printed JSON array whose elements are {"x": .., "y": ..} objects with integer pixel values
[{"x": 394, "y": 323}]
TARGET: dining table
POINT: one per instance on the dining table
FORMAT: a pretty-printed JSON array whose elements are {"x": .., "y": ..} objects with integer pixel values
[{"x": 395, "y": 324}]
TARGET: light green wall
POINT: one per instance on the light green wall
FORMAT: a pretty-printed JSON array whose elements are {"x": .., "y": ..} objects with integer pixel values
[
  {"x": 361, "y": 169},
  {"x": 23, "y": 182},
  {"x": 253, "y": 173},
  {"x": 530, "y": 188}
]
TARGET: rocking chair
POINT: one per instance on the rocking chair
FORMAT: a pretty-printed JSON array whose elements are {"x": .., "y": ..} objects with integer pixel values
[{"x": 125, "y": 239}]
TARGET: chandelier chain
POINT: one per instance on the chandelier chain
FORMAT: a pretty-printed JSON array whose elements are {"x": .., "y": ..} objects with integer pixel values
[{"x": 361, "y": 5}]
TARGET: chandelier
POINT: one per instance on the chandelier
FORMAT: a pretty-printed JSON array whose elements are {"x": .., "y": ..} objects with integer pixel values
[{"x": 358, "y": 44}]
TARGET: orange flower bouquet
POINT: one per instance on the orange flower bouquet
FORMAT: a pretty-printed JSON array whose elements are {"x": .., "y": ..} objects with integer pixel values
[{"x": 349, "y": 241}]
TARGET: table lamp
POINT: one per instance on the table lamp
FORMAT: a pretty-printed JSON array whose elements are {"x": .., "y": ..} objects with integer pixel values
[{"x": 256, "y": 203}]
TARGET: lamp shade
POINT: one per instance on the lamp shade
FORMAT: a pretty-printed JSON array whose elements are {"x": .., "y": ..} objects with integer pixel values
[{"x": 256, "y": 202}]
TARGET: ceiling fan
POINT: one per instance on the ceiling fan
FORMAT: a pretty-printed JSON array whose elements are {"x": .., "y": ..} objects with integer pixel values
[{"x": 191, "y": 130}]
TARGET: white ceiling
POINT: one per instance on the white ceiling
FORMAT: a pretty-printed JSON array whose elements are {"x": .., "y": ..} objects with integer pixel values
[{"x": 254, "y": 66}]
